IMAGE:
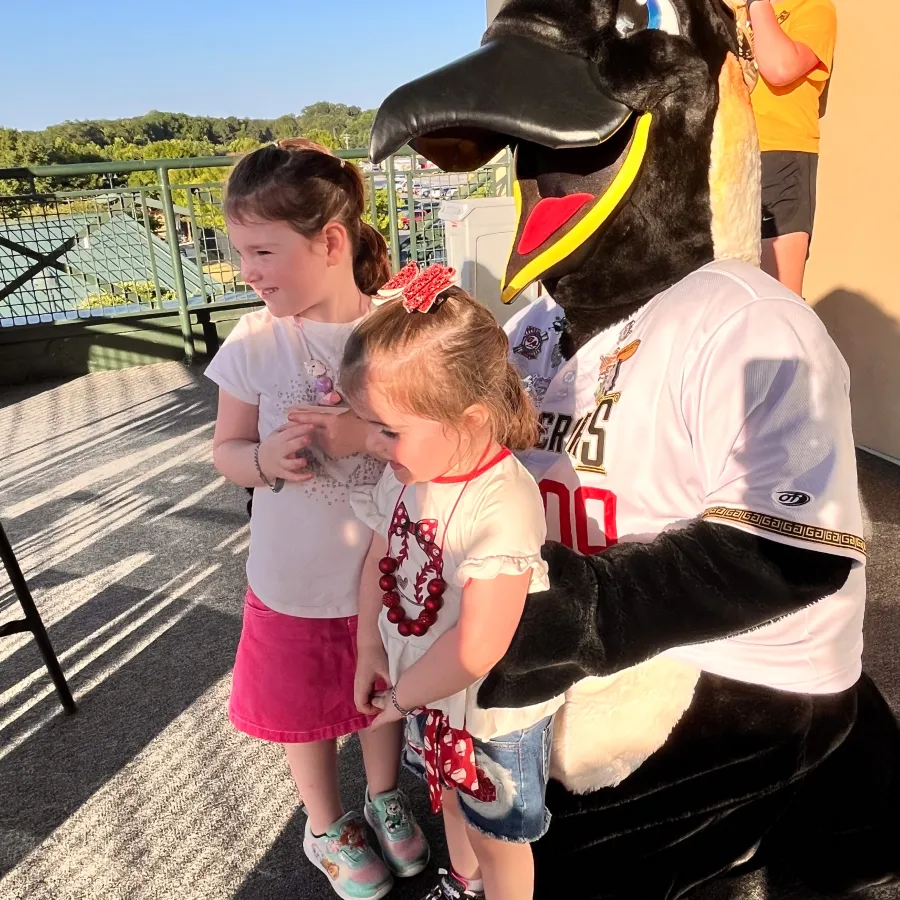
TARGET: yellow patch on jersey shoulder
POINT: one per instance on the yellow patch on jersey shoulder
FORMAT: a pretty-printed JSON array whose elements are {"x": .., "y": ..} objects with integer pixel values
[{"x": 610, "y": 366}]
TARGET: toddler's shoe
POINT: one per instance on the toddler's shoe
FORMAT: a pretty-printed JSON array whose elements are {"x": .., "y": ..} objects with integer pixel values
[
  {"x": 403, "y": 845},
  {"x": 451, "y": 888},
  {"x": 343, "y": 853}
]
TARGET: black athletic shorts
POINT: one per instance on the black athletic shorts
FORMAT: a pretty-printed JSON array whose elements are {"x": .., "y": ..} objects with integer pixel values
[{"x": 788, "y": 192}]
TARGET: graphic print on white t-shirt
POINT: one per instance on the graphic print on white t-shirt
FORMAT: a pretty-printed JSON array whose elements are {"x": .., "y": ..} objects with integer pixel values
[
  {"x": 414, "y": 544},
  {"x": 306, "y": 546},
  {"x": 723, "y": 398}
]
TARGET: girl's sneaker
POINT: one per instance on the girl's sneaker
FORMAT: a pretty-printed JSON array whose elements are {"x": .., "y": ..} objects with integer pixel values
[
  {"x": 343, "y": 853},
  {"x": 451, "y": 888},
  {"x": 403, "y": 845}
]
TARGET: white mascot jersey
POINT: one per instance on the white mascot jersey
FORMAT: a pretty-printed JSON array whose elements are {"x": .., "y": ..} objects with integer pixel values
[{"x": 722, "y": 398}]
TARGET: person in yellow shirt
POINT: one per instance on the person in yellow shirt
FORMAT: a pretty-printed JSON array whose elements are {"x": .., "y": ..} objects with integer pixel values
[{"x": 793, "y": 42}]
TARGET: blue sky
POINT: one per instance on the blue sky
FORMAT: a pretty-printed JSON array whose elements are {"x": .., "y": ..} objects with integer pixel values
[{"x": 102, "y": 59}]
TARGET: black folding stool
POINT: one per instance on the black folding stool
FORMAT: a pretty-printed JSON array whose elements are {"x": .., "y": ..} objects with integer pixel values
[{"x": 32, "y": 622}]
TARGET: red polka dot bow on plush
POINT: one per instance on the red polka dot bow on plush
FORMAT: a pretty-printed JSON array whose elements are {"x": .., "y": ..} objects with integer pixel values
[
  {"x": 419, "y": 289},
  {"x": 450, "y": 762}
]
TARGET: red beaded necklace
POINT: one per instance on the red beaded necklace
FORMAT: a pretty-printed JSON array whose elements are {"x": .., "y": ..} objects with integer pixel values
[{"x": 389, "y": 564}]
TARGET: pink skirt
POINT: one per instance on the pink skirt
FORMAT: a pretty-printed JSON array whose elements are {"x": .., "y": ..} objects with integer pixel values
[{"x": 293, "y": 677}]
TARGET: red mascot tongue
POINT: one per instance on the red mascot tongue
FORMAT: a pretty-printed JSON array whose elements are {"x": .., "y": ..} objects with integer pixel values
[{"x": 547, "y": 217}]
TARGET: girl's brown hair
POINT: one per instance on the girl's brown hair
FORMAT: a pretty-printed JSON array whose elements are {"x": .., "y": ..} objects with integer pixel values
[
  {"x": 438, "y": 364},
  {"x": 301, "y": 183}
]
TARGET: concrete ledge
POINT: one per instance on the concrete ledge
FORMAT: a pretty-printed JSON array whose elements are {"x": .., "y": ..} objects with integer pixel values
[{"x": 69, "y": 348}]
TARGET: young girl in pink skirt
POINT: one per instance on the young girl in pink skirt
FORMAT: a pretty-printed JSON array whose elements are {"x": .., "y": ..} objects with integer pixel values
[
  {"x": 293, "y": 212},
  {"x": 458, "y": 526}
]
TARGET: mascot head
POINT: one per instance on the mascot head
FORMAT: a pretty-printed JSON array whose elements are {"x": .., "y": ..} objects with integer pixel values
[{"x": 635, "y": 150}]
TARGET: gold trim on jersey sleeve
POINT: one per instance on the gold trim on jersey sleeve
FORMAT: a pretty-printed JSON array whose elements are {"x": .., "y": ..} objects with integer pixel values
[{"x": 813, "y": 534}]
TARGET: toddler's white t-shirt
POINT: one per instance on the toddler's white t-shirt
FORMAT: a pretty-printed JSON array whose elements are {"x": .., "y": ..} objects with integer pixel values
[
  {"x": 306, "y": 545},
  {"x": 497, "y": 528}
]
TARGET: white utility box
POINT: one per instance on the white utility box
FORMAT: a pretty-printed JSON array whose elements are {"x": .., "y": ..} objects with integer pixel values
[{"x": 478, "y": 235}]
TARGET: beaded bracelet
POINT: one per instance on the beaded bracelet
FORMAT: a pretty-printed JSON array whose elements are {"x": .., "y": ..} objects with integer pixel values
[
  {"x": 403, "y": 712},
  {"x": 265, "y": 480}
]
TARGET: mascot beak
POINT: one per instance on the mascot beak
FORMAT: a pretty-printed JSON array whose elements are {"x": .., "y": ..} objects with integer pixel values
[
  {"x": 577, "y": 151},
  {"x": 511, "y": 89}
]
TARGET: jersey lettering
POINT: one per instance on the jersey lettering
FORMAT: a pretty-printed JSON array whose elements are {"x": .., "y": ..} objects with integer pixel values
[
  {"x": 560, "y": 492},
  {"x": 587, "y": 519},
  {"x": 557, "y": 434},
  {"x": 583, "y": 495},
  {"x": 587, "y": 441},
  {"x": 590, "y": 454},
  {"x": 604, "y": 407},
  {"x": 560, "y": 429},
  {"x": 572, "y": 445},
  {"x": 545, "y": 420}
]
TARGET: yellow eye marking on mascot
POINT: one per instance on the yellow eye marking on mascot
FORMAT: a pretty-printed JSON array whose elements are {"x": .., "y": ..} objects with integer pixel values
[{"x": 596, "y": 216}]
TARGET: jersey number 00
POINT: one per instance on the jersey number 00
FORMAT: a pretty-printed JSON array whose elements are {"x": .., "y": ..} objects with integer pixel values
[{"x": 576, "y": 502}]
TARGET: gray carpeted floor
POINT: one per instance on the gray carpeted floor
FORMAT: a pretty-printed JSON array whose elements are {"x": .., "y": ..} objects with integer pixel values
[{"x": 134, "y": 548}]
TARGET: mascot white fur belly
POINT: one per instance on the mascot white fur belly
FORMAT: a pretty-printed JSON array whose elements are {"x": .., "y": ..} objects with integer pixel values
[{"x": 609, "y": 726}]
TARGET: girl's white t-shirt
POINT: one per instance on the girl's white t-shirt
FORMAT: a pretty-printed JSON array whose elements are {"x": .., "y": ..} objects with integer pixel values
[
  {"x": 497, "y": 527},
  {"x": 306, "y": 545}
]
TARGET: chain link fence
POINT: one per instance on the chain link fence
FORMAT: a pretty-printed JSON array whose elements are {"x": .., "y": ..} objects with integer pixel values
[{"x": 162, "y": 244}]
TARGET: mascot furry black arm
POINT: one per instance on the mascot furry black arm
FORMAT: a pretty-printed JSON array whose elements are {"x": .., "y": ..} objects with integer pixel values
[{"x": 696, "y": 460}]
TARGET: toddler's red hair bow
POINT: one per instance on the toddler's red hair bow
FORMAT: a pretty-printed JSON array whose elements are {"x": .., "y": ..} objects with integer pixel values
[{"x": 419, "y": 289}]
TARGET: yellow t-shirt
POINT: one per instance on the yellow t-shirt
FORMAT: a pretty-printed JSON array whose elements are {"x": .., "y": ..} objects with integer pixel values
[{"x": 787, "y": 117}]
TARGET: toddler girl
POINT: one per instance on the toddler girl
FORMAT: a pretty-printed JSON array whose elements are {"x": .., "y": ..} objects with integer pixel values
[{"x": 458, "y": 526}]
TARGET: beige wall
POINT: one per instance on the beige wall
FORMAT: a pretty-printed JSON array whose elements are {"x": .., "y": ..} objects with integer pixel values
[{"x": 854, "y": 267}]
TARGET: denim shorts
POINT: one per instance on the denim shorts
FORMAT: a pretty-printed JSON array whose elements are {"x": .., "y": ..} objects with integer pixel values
[{"x": 518, "y": 765}]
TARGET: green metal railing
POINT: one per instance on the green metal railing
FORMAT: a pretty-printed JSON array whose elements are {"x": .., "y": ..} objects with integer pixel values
[{"x": 155, "y": 238}]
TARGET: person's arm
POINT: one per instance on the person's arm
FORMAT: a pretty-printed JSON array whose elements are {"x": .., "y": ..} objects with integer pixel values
[
  {"x": 237, "y": 436},
  {"x": 370, "y": 594},
  {"x": 608, "y": 612},
  {"x": 372, "y": 662},
  {"x": 336, "y": 436},
  {"x": 781, "y": 60},
  {"x": 490, "y": 614}
]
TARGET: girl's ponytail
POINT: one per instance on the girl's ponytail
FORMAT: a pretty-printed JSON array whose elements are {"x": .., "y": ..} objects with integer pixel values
[
  {"x": 302, "y": 183},
  {"x": 521, "y": 422},
  {"x": 371, "y": 265}
]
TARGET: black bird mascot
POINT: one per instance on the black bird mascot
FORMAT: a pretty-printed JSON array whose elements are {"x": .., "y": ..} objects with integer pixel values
[{"x": 707, "y": 563}]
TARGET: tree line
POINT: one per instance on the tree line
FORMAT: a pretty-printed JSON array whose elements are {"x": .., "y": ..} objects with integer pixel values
[{"x": 164, "y": 135}]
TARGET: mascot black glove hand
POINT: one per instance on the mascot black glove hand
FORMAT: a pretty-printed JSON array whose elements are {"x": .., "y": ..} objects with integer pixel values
[
  {"x": 603, "y": 613},
  {"x": 556, "y": 642}
]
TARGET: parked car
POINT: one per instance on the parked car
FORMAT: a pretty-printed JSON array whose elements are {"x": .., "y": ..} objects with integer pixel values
[
  {"x": 403, "y": 217},
  {"x": 426, "y": 211}
]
